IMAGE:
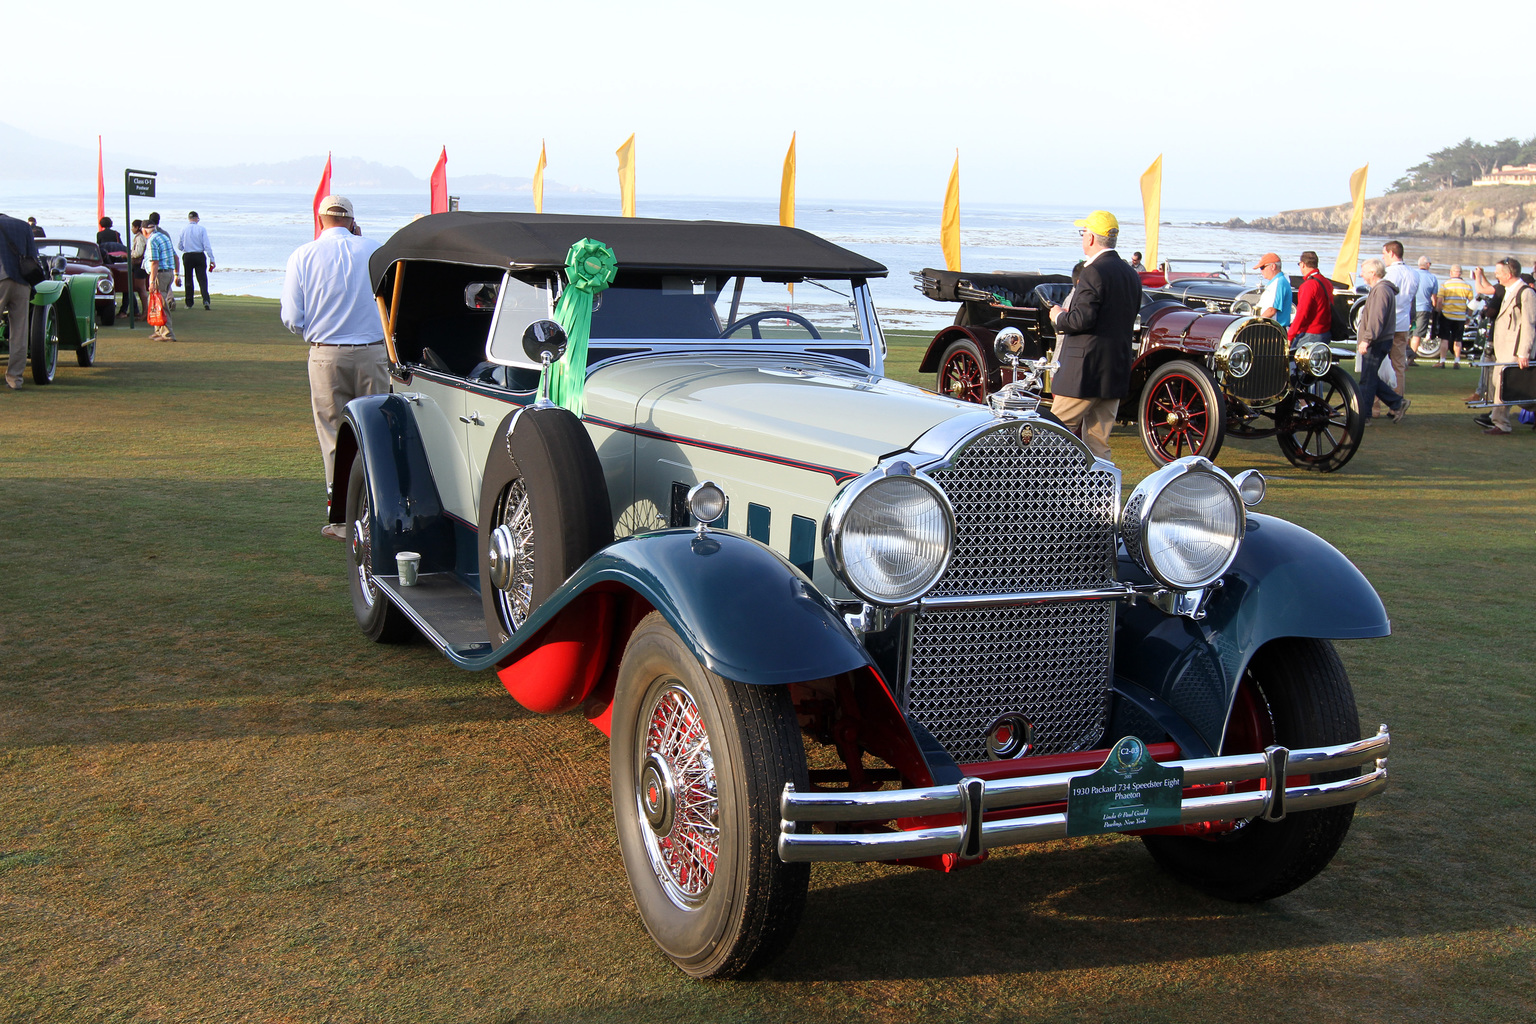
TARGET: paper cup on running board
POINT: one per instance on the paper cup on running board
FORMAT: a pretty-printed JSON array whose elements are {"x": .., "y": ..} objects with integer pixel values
[{"x": 409, "y": 563}]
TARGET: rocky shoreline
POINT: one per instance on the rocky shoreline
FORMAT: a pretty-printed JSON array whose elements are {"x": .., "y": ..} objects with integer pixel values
[{"x": 1498, "y": 212}]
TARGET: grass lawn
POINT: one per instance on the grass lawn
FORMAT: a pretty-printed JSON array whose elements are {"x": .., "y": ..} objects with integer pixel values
[{"x": 221, "y": 803}]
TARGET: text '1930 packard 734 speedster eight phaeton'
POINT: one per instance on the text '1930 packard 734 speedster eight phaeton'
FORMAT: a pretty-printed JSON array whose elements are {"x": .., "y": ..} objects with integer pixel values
[{"x": 613, "y": 468}]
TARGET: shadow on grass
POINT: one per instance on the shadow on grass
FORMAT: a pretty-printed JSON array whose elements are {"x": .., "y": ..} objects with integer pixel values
[{"x": 1091, "y": 905}]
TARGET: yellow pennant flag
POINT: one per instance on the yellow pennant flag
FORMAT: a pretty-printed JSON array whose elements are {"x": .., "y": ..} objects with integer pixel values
[
  {"x": 949, "y": 226},
  {"x": 626, "y": 155},
  {"x": 1349, "y": 252},
  {"x": 1152, "y": 208},
  {"x": 538, "y": 181},
  {"x": 787, "y": 187},
  {"x": 787, "y": 194}
]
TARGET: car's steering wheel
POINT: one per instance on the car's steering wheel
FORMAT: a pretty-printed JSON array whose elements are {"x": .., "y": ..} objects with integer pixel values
[{"x": 753, "y": 319}]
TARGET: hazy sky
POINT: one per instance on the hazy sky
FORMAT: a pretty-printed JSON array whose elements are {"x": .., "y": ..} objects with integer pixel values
[{"x": 1048, "y": 103}]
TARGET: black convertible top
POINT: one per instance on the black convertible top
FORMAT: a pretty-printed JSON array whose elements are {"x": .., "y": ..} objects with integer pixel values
[{"x": 504, "y": 240}]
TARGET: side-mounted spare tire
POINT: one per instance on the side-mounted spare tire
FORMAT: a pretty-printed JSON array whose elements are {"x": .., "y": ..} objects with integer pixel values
[{"x": 543, "y": 512}]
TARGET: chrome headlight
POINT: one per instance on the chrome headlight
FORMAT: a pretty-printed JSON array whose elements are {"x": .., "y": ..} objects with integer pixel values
[
  {"x": 889, "y": 535},
  {"x": 1316, "y": 358},
  {"x": 1234, "y": 357},
  {"x": 1183, "y": 524},
  {"x": 104, "y": 284}
]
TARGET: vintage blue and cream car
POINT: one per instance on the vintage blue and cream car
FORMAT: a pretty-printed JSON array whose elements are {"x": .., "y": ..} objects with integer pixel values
[{"x": 823, "y": 615}]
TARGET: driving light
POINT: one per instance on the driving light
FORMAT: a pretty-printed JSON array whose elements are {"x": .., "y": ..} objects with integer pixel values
[
  {"x": 1183, "y": 524},
  {"x": 706, "y": 501},
  {"x": 104, "y": 285},
  {"x": 1250, "y": 486},
  {"x": 889, "y": 535}
]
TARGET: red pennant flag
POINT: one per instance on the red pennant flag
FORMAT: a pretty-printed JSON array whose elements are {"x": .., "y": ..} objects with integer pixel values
[
  {"x": 101, "y": 186},
  {"x": 321, "y": 192},
  {"x": 438, "y": 184}
]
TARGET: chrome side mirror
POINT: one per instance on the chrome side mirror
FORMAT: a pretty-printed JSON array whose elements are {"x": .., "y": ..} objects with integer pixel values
[{"x": 544, "y": 341}]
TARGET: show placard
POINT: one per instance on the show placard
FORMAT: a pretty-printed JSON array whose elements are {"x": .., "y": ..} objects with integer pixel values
[
  {"x": 140, "y": 183},
  {"x": 1129, "y": 791}
]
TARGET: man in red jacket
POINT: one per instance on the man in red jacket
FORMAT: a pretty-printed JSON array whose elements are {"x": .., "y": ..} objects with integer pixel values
[{"x": 1314, "y": 305}]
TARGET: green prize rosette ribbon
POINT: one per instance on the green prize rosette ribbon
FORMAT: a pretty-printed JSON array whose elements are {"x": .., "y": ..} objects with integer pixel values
[{"x": 590, "y": 267}]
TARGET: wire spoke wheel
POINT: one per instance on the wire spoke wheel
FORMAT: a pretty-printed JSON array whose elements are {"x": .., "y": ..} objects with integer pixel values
[
  {"x": 963, "y": 373},
  {"x": 377, "y": 616},
  {"x": 514, "y": 511},
  {"x": 678, "y": 796},
  {"x": 1321, "y": 425},
  {"x": 697, "y": 764},
  {"x": 1181, "y": 413},
  {"x": 1296, "y": 693}
]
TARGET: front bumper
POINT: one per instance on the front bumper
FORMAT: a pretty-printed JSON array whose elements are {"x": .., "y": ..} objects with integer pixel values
[{"x": 974, "y": 799}]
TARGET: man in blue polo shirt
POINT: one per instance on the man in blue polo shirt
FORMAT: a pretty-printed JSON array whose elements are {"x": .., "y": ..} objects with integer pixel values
[{"x": 1276, "y": 303}]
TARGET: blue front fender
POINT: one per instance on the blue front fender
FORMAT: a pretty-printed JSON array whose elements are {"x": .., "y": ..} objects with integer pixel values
[
  {"x": 1285, "y": 582},
  {"x": 743, "y": 609}
]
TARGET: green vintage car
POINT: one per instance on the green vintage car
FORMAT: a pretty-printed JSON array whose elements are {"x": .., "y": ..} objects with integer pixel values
[
  {"x": 63, "y": 316},
  {"x": 820, "y": 614}
]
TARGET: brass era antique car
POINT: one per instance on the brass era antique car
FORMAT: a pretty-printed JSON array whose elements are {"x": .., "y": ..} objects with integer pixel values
[
  {"x": 747, "y": 541},
  {"x": 1198, "y": 376},
  {"x": 63, "y": 315}
]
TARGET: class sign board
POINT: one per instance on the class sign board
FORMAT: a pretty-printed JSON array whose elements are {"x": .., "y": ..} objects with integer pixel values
[
  {"x": 140, "y": 183},
  {"x": 1129, "y": 791}
]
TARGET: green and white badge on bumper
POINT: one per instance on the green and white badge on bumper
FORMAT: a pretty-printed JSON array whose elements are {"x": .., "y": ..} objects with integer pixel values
[{"x": 1129, "y": 791}]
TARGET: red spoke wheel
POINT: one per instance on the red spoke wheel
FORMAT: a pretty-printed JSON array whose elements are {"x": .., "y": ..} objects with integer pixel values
[
  {"x": 697, "y": 765},
  {"x": 963, "y": 372},
  {"x": 1181, "y": 413},
  {"x": 1296, "y": 693},
  {"x": 1321, "y": 427}
]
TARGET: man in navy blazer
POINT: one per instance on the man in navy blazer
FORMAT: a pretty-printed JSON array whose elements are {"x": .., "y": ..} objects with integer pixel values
[{"x": 1095, "y": 328}]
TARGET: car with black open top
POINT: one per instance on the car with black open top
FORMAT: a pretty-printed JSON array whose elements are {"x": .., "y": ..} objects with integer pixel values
[{"x": 616, "y": 468}]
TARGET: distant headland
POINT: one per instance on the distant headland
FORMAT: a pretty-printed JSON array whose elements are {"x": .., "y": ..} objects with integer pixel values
[{"x": 1472, "y": 213}]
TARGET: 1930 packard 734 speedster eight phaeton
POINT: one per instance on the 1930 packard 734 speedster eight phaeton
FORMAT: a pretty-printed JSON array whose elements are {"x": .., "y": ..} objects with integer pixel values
[{"x": 747, "y": 542}]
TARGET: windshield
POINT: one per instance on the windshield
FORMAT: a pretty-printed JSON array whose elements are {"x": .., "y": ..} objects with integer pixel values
[
  {"x": 710, "y": 307},
  {"x": 702, "y": 307},
  {"x": 1222, "y": 270},
  {"x": 69, "y": 250}
]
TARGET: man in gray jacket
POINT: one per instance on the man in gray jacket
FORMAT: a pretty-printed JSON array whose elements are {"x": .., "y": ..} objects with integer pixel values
[
  {"x": 16, "y": 241},
  {"x": 1378, "y": 323}
]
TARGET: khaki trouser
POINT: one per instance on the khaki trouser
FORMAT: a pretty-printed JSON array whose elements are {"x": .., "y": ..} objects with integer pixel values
[
  {"x": 15, "y": 300},
  {"x": 1090, "y": 418},
  {"x": 1399, "y": 366},
  {"x": 161, "y": 281},
  {"x": 338, "y": 374},
  {"x": 1503, "y": 352}
]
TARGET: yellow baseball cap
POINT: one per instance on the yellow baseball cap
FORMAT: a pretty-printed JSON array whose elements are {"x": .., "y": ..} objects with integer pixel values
[{"x": 1100, "y": 222}]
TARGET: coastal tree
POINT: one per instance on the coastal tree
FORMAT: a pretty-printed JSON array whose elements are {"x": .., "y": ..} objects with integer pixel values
[{"x": 1460, "y": 165}]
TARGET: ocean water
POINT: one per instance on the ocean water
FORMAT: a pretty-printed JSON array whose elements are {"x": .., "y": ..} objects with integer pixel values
[{"x": 254, "y": 230}]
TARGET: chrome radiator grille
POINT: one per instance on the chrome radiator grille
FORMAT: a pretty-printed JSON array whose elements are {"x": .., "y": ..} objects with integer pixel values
[
  {"x": 1028, "y": 517},
  {"x": 1271, "y": 374}
]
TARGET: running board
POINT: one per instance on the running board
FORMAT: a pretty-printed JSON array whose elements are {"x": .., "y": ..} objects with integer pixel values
[{"x": 447, "y": 612}]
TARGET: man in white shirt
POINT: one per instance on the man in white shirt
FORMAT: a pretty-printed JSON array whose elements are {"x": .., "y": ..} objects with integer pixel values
[
  {"x": 197, "y": 257},
  {"x": 328, "y": 300},
  {"x": 1406, "y": 281}
]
